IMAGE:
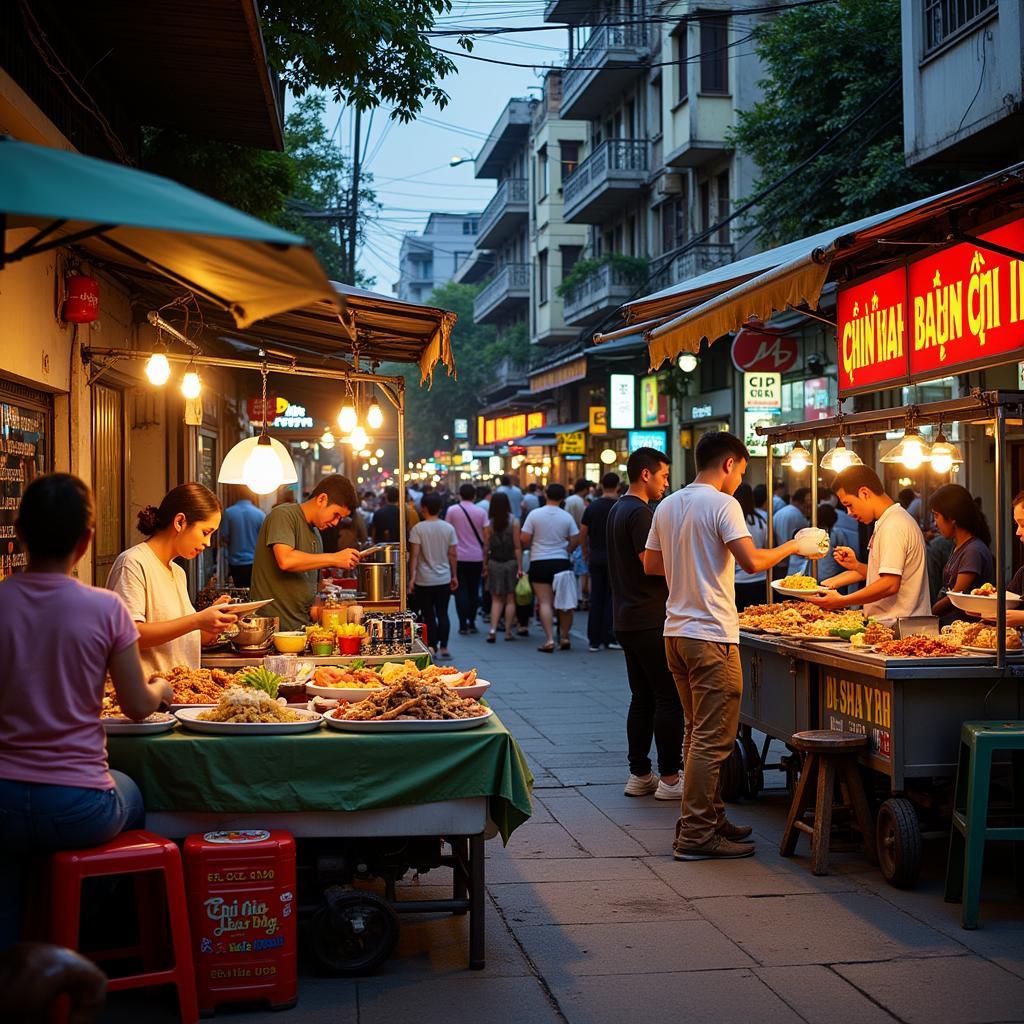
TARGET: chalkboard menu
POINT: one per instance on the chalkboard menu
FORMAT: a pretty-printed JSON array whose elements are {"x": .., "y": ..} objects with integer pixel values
[{"x": 24, "y": 454}]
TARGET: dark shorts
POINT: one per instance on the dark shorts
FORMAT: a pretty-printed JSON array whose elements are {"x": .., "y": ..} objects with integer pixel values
[{"x": 546, "y": 569}]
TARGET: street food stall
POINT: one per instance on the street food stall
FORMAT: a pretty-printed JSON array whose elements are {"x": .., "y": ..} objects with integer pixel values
[{"x": 932, "y": 290}]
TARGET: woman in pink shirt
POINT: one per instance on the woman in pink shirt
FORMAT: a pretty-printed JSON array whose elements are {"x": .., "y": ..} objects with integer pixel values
[{"x": 60, "y": 639}]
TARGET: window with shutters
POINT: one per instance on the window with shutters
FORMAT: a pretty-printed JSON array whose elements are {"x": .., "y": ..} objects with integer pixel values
[{"x": 714, "y": 54}]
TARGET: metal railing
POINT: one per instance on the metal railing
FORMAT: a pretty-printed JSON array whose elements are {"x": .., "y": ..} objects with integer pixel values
[
  {"x": 692, "y": 263},
  {"x": 511, "y": 190},
  {"x": 602, "y": 39},
  {"x": 511, "y": 277},
  {"x": 612, "y": 155},
  {"x": 603, "y": 285}
]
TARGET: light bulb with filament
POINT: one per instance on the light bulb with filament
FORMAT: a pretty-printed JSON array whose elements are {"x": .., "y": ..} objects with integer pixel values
[
  {"x": 799, "y": 462},
  {"x": 375, "y": 416},
  {"x": 942, "y": 463},
  {"x": 347, "y": 418},
  {"x": 158, "y": 370},
  {"x": 262, "y": 473},
  {"x": 358, "y": 437},
  {"x": 913, "y": 452},
  {"x": 191, "y": 385}
]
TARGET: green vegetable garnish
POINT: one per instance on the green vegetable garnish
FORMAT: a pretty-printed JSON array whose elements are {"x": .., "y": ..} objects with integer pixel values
[{"x": 262, "y": 679}]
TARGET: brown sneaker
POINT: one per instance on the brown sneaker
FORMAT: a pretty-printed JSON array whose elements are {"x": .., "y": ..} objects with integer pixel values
[
  {"x": 734, "y": 832},
  {"x": 716, "y": 848}
]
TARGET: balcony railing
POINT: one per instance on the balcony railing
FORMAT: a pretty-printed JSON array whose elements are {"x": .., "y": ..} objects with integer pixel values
[
  {"x": 609, "y": 47},
  {"x": 511, "y": 284},
  {"x": 511, "y": 199},
  {"x": 602, "y": 289},
  {"x": 692, "y": 263},
  {"x": 617, "y": 162}
]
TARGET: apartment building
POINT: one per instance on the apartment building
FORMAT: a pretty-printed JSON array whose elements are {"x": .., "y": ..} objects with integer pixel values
[
  {"x": 963, "y": 69},
  {"x": 429, "y": 259}
]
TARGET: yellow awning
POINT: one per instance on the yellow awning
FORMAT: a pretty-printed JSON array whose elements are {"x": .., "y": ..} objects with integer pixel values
[{"x": 791, "y": 285}]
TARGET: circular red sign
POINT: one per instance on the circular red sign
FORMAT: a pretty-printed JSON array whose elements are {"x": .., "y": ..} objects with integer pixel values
[{"x": 763, "y": 351}]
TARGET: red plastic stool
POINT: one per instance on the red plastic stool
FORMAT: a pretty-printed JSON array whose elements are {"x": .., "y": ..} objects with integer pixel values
[{"x": 130, "y": 853}]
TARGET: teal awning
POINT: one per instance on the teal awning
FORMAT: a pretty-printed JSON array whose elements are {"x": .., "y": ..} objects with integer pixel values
[{"x": 122, "y": 215}]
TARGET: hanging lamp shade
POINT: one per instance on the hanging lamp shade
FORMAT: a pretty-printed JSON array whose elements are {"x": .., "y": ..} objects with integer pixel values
[
  {"x": 945, "y": 455},
  {"x": 912, "y": 450},
  {"x": 835, "y": 460},
  {"x": 232, "y": 469},
  {"x": 797, "y": 459}
]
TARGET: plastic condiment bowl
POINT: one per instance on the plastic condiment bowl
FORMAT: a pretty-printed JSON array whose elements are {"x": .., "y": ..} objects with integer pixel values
[{"x": 291, "y": 642}]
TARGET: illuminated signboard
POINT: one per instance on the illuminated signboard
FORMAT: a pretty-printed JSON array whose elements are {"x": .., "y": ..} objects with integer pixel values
[
  {"x": 949, "y": 311},
  {"x": 621, "y": 387},
  {"x": 762, "y": 391},
  {"x": 647, "y": 439},
  {"x": 506, "y": 428}
]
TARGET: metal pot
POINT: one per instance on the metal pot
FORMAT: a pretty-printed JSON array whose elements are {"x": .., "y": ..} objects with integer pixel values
[
  {"x": 377, "y": 580},
  {"x": 389, "y": 553},
  {"x": 255, "y": 631}
]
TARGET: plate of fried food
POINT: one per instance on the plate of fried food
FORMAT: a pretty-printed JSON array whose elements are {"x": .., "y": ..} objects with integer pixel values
[
  {"x": 350, "y": 682},
  {"x": 798, "y": 586},
  {"x": 872, "y": 634},
  {"x": 246, "y": 711},
  {"x": 195, "y": 687},
  {"x": 408, "y": 705},
  {"x": 978, "y": 637},
  {"x": 982, "y": 600},
  {"x": 917, "y": 646},
  {"x": 116, "y": 723}
]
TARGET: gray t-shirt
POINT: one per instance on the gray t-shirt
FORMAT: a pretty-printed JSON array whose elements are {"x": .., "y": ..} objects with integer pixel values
[
  {"x": 434, "y": 537},
  {"x": 292, "y": 592}
]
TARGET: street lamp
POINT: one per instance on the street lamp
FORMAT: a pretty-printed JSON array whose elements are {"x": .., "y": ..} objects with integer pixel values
[{"x": 457, "y": 159}]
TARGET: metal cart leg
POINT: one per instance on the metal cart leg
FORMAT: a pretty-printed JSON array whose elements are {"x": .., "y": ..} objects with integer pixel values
[
  {"x": 460, "y": 868},
  {"x": 477, "y": 901}
]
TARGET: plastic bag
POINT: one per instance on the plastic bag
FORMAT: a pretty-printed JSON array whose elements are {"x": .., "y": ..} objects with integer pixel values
[{"x": 523, "y": 591}]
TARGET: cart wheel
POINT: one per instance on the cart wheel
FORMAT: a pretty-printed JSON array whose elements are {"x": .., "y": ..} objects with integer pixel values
[
  {"x": 899, "y": 842},
  {"x": 753, "y": 771},
  {"x": 352, "y": 932},
  {"x": 733, "y": 772}
]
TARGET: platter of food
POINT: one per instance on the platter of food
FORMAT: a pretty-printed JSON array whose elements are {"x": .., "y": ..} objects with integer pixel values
[
  {"x": 982, "y": 600},
  {"x": 248, "y": 711},
  {"x": 344, "y": 682},
  {"x": 798, "y": 586},
  {"x": 979, "y": 637},
  {"x": 245, "y": 607},
  {"x": 196, "y": 686},
  {"x": 801, "y": 621},
  {"x": 119, "y": 725},
  {"x": 916, "y": 646},
  {"x": 410, "y": 705}
]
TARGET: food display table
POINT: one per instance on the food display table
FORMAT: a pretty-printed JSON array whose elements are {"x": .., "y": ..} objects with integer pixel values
[
  {"x": 328, "y": 784},
  {"x": 231, "y": 659},
  {"x": 910, "y": 709}
]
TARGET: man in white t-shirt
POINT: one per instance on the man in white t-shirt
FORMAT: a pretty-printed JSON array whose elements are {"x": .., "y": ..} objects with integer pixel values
[
  {"x": 896, "y": 573},
  {"x": 696, "y": 536}
]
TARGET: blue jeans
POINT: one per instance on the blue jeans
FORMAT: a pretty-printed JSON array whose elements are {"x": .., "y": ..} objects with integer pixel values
[{"x": 39, "y": 819}]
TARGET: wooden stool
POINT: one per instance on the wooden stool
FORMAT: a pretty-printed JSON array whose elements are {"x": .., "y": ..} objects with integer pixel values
[{"x": 831, "y": 756}]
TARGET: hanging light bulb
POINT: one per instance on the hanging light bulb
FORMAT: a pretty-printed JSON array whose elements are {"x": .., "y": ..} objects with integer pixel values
[
  {"x": 191, "y": 385},
  {"x": 358, "y": 437},
  {"x": 835, "y": 460},
  {"x": 158, "y": 370},
  {"x": 327, "y": 439},
  {"x": 347, "y": 418},
  {"x": 262, "y": 473},
  {"x": 687, "y": 362},
  {"x": 911, "y": 450},
  {"x": 374, "y": 415},
  {"x": 798, "y": 459},
  {"x": 945, "y": 455}
]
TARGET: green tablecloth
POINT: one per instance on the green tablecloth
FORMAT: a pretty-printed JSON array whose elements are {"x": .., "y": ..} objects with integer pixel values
[{"x": 328, "y": 770}]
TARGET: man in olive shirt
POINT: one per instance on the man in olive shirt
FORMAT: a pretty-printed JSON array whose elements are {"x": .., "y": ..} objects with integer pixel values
[{"x": 290, "y": 554}]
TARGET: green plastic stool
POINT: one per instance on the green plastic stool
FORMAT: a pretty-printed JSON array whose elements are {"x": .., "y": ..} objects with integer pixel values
[{"x": 978, "y": 742}]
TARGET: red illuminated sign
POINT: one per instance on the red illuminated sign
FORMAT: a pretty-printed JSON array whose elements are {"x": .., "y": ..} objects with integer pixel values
[
  {"x": 762, "y": 350},
  {"x": 950, "y": 311},
  {"x": 872, "y": 332}
]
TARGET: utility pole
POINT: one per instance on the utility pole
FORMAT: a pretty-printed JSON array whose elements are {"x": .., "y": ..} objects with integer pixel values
[{"x": 354, "y": 202}]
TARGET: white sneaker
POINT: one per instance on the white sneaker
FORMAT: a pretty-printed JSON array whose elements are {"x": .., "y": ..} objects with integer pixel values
[
  {"x": 667, "y": 792},
  {"x": 638, "y": 785}
]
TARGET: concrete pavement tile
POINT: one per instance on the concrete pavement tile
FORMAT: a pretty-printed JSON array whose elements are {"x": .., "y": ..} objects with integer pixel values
[
  {"x": 584, "y": 776},
  {"x": 592, "y": 829},
  {"x": 819, "y": 994},
  {"x": 593, "y": 758},
  {"x": 477, "y": 998},
  {"x": 544, "y": 841},
  {"x": 545, "y": 781},
  {"x": 696, "y": 997},
  {"x": 645, "y": 948},
  {"x": 656, "y": 841},
  {"x": 644, "y": 812},
  {"x": 950, "y": 989},
  {"x": 503, "y": 870},
  {"x": 822, "y": 929},
  {"x": 593, "y": 902},
  {"x": 764, "y": 874}
]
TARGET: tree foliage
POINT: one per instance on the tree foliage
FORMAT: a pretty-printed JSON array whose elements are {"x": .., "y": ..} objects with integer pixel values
[
  {"x": 366, "y": 52},
  {"x": 323, "y": 182},
  {"x": 478, "y": 351},
  {"x": 825, "y": 64}
]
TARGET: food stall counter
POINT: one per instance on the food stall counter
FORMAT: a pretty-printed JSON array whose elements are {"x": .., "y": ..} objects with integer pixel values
[{"x": 231, "y": 659}]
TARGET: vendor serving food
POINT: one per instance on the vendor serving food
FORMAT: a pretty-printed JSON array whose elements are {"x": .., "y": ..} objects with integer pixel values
[
  {"x": 895, "y": 578},
  {"x": 154, "y": 586},
  {"x": 290, "y": 552},
  {"x": 1014, "y": 616}
]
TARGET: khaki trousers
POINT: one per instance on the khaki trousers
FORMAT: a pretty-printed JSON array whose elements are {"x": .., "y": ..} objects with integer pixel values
[{"x": 710, "y": 683}]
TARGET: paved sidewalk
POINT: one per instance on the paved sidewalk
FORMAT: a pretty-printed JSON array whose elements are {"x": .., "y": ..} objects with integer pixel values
[{"x": 591, "y": 921}]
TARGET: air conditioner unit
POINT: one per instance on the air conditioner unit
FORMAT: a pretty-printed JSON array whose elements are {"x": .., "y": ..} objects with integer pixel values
[{"x": 670, "y": 185}]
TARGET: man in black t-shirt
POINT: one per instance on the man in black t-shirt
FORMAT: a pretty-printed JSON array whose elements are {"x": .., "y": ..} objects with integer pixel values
[
  {"x": 385, "y": 520},
  {"x": 595, "y": 553},
  {"x": 638, "y": 607}
]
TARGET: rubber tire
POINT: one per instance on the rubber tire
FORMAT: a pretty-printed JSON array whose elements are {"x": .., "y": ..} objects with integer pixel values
[
  {"x": 338, "y": 937},
  {"x": 898, "y": 841},
  {"x": 753, "y": 772},
  {"x": 733, "y": 785}
]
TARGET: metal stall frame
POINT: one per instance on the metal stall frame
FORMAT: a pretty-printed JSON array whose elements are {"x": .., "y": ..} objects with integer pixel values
[
  {"x": 393, "y": 388},
  {"x": 981, "y": 406}
]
